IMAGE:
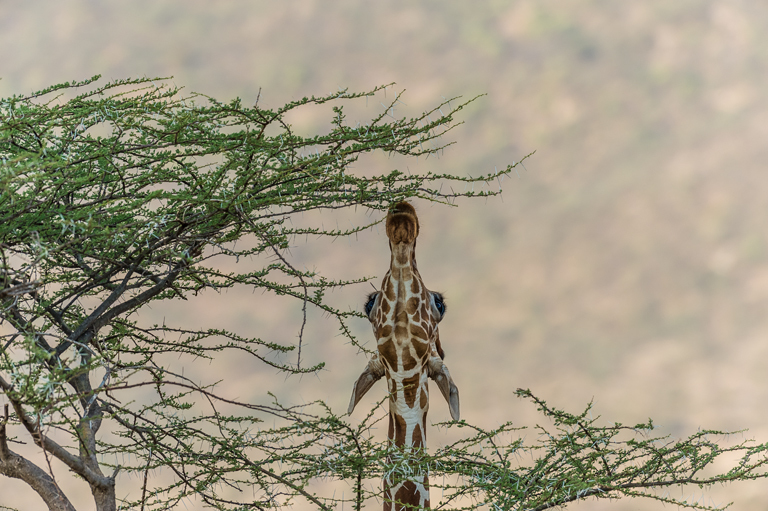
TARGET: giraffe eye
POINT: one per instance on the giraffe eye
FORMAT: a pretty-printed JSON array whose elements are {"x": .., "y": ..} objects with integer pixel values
[
  {"x": 370, "y": 303},
  {"x": 438, "y": 303}
]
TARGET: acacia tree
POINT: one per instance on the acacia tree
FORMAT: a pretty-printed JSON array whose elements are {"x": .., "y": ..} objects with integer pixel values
[{"x": 116, "y": 196}]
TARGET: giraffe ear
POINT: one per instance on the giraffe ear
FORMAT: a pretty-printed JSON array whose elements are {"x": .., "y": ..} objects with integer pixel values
[
  {"x": 439, "y": 372},
  {"x": 372, "y": 373}
]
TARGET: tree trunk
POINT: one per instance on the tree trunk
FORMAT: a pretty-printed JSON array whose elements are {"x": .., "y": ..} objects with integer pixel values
[
  {"x": 104, "y": 497},
  {"x": 13, "y": 465}
]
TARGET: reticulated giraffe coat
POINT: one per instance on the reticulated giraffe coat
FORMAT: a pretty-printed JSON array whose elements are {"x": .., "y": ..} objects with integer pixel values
[{"x": 404, "y": 315}]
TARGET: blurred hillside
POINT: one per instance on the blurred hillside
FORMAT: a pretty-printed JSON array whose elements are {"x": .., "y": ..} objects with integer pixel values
[{"x": 628, "y": 263}]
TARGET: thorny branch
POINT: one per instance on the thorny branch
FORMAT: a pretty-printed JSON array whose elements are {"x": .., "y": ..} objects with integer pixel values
[{"x": 117, "y": 196}]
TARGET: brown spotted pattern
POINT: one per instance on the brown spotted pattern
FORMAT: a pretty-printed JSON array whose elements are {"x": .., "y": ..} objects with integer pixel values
[
  {"x": 406, "y": 331},
  {"x": 404, "y": 315}
]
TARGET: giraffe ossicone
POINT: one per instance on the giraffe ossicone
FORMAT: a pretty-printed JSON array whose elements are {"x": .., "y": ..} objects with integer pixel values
[{"x": 404, "y": 315}]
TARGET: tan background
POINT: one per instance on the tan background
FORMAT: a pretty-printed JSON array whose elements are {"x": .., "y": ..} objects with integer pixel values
[{"x": 628, "y": 263}]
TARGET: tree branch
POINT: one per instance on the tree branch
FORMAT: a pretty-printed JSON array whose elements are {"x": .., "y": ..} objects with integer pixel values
[
  {"x": 93, "y": 477},
  {"x": 17, "y": 467}
]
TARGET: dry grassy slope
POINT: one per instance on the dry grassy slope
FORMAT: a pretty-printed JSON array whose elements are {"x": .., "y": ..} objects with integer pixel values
[{"x": 628, "y": 262}]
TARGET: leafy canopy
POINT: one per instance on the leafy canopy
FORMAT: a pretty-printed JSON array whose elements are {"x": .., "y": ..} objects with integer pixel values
[{"x": 116, "y": 196}]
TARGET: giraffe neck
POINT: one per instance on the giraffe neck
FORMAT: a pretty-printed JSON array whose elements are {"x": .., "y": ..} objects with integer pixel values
[
  {"x": 408, "y": 405},
  {"x": 407, "y": 378}
]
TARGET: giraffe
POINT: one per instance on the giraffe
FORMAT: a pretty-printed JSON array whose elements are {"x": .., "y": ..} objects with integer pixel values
[{"x": 404, "y": 315}]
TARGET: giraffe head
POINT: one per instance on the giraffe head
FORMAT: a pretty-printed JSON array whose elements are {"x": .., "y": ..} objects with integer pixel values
[{"x": 404, "y": 315}]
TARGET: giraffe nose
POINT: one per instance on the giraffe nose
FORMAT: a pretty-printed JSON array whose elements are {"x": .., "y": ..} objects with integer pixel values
[
  {"x": 402, "y": 232},
  {"x": 402, "y": 224}
]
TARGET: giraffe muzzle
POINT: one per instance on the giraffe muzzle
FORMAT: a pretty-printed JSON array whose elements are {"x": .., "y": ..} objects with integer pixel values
[{"x": 402, "y": 224}]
